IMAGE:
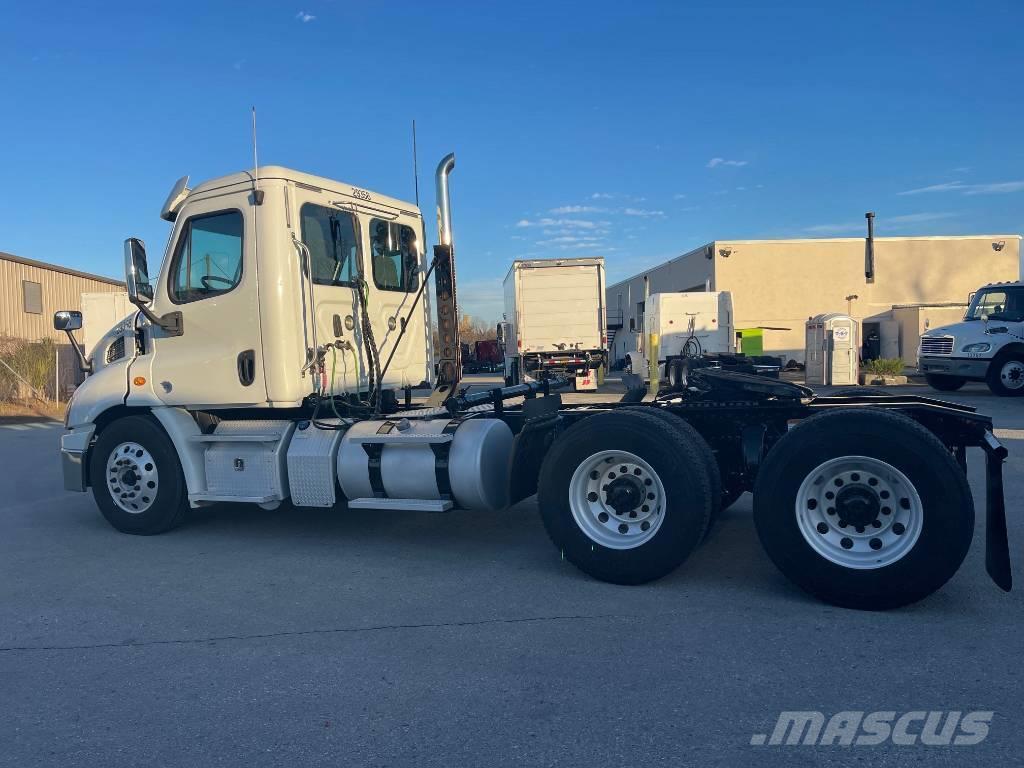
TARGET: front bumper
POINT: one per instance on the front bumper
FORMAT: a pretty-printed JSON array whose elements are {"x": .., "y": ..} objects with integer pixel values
[
  {"x": 74, "y": 456},
  {"x": 964, "y": 367}
]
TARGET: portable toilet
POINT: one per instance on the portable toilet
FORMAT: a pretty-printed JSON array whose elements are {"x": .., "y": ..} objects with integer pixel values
[{"x": 831, "y": 350}]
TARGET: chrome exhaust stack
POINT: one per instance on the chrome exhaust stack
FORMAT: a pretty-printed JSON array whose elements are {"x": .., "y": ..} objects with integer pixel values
[
  {"x": 444, "y": 202},
  {"x": 449, "y": 363}
]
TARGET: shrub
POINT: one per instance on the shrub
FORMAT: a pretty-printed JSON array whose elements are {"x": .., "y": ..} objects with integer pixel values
[
  {"x": 34, "y": 362},
  {"x": 885, "y": 366}
]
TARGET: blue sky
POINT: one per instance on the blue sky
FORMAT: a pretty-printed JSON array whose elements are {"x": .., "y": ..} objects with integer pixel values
[{"x": 634, "y": 131}]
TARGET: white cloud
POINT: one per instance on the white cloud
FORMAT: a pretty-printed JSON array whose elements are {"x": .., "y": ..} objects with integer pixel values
[
  {"x": 568, "y": 239},
  {"x": 999, "y": 188},
  {"x": 679, "y": 196},
  {"x": 601, "y": 196},
  {"x": 642, "y": 212},
  {"x": 919, "y": 218},
  {"x": 577, "y": 209},
  {"x": 824, "y": 229},
  {"x": 304, "y": 17},
  {"x": 924, "y": 217},
  {"x": 570, "y": 223},
  {"x": 949, "y": 186},
  {"x": 715, "y": 162},
  {"x": 994, "y": 188}
]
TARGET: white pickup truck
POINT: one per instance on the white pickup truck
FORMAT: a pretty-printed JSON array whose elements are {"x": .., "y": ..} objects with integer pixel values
[{"x": 988, "y": 345}]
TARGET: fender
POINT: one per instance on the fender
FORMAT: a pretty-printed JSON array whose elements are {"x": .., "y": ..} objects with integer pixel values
[
  {"x": 100, "y": 392},
  {"x": 183, "y": 429}
]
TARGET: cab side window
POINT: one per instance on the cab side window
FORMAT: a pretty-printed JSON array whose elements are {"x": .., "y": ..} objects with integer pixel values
[
  {"x": 330, "y": 235},
  {"x": 394, "y": 253},
  {"x": 208, "y": 258}
]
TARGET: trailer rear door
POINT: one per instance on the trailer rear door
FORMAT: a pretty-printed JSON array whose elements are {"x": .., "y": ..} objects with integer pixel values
[{"x": 560, "y": 305}]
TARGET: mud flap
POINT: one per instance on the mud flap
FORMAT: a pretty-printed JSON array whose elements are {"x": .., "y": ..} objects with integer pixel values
[{"x": 997, "y": 545}]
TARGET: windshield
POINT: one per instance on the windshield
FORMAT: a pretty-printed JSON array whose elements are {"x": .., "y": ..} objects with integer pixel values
[{"x": 999, "y": 304}]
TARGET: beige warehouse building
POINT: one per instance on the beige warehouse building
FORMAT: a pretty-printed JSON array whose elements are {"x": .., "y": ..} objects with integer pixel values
[
  {"x": 777, "y": 284},
  {"x": 31, "y": 291}
]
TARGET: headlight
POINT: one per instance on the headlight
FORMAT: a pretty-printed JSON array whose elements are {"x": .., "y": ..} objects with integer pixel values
[{"x": 983, "y": 346}]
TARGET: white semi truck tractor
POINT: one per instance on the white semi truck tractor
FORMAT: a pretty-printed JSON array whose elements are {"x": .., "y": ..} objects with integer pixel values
[
  {"x": 271, "y": 358},
  {"x": 988, "y": 345}
]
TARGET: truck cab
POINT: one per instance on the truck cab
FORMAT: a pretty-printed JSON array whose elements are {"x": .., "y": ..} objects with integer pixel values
[
  {"x": 271, "y": 289},
  {"x": 988, "y": 345}
]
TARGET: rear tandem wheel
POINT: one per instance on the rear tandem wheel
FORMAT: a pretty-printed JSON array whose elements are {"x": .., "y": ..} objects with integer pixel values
[
  {"x": 864, "y": 508},
  {"x": 625, "y": 495}
]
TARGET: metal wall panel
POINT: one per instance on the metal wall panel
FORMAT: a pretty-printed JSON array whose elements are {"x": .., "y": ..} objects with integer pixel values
[{"x": 60, "y": 291}]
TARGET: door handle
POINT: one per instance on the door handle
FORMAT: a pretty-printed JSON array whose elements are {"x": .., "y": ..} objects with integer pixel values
[{"x": 247, "y": 367}]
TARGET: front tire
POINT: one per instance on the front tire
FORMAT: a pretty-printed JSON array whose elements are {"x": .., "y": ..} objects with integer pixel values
[
  {"x": 864, "y": 509},
  {"x": 1006, "y": 375},
  {"x": 944, "y": 383},
  {"x": 137, "y": 479},
  {"x": 625, "y": 496}
]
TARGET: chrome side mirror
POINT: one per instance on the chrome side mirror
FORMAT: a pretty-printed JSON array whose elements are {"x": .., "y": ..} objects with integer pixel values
[
  {"x": 136, "y": 272},
  {"x": 140, "y": 290},
  {"x": 67, "y": 320}
]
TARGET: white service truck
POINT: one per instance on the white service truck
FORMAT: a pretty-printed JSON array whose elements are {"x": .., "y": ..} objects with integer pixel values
[
  {"x": 266, "y": 358},
  {"x": 988, "y": 345},
  {"x": 682, "y": 325},
  {"x": 554, "y": 321}
]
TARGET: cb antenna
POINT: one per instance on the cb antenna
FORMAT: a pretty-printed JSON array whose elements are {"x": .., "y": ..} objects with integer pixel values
[
  {"x": 415, "y": 165},
  {"x": 257, "y": 192}
]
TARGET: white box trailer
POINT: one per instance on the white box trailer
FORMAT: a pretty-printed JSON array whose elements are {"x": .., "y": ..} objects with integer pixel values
[
  {"x": 100, "y": 313},
  {"x": 554, "y": 310}
]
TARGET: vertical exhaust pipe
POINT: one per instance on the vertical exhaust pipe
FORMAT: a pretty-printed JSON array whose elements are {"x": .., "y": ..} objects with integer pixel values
[
  {"x": 449, "y": 364},
  {"x": 444, "y": 202},
  {"x": 869, "y": 249}
]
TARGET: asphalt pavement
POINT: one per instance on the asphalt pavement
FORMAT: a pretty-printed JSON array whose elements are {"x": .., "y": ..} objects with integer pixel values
[{"x": 336, "y": 637}]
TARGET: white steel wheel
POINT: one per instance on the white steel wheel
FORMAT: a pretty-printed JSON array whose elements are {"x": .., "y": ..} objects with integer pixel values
[
  {"x": 617, "y": 499},
  {"x": 859, "y": 512},
  {"x": 1011, "y": 375},
  {"x": 132, "y": 477}
]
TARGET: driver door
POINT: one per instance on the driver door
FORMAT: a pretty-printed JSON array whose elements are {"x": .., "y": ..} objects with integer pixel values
[{"x": 211, "y": 279}]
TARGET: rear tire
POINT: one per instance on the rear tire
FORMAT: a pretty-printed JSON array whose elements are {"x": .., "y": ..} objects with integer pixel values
[
  {"x": 587, "y": 504},
  {"x": 908, "y": 509},
  {"x": 719, "y": 498},
  {"x": 136, "y": 477},
  {"x": 944, "y": 383},
  {"x": 1005, "y": 375}
]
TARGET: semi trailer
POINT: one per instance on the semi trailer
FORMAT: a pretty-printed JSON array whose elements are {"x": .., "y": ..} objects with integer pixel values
[
  {"x": 271, "y": 360},
  {"x": 555, "y": 321}
]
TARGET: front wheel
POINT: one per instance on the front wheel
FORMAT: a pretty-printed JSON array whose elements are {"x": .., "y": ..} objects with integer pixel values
[
  {"x": 136, "y": 477},
  {"x": 864, "y": 509},
  {"x": 944, "y": 383},
  {"x": 1006, "y": 375}
]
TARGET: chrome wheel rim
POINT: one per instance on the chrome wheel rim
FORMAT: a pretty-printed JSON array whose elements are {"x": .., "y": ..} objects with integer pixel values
[
  {"x": 859, "y": 512},
  {"x": 617, "y": 499},
  {"x": 132, "y": 478},
  {"x": 1012, "y": 375}
]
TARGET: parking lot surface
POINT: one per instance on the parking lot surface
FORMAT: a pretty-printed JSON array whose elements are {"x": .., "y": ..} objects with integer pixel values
[{"x": 336, "y": 637}]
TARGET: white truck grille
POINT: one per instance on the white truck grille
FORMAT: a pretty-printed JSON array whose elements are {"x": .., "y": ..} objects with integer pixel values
[{"x": 937, "y": 345}]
